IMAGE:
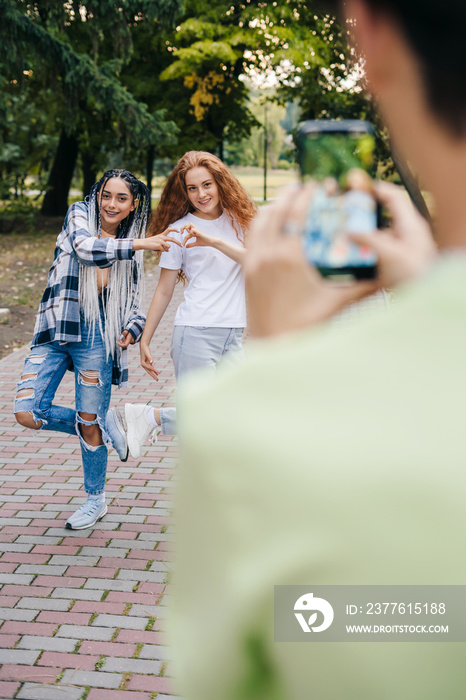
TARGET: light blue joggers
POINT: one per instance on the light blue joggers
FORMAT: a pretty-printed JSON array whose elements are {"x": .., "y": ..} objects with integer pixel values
[{"x": 199, "y": 347}]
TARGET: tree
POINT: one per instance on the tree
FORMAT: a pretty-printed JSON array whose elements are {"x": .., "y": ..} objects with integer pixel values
[
  {"x": 122, "y": 80},
  {"x": 209, "y": 53},
  {"x": 78, "y": 50},
  {"x": 315, "y": 67},
  {"x": 27, "y": 143},
  {"x": 250, "y": 150},
  {"x": 289, "y": 46},
  {"x": 141, "y": 75}
]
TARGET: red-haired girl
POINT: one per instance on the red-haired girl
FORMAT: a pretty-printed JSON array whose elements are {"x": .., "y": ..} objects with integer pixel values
[{"x": 206, "y": 209}]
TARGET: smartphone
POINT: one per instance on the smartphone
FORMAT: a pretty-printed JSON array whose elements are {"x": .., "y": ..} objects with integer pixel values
[{"x": 339, "y": 157}]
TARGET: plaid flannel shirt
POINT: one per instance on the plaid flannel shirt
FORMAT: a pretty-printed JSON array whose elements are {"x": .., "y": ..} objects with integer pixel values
[{"x": 59, "y": 317}]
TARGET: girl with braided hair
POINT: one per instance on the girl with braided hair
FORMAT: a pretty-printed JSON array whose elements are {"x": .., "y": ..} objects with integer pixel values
[
  {"x": 205, "y": 208},
  {"x": 88, "y": 315}
]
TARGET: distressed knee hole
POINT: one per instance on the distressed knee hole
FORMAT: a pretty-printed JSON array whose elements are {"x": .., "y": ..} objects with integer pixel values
[
  {"x": 89, "y": 429},
  {"x": 87, "y": 418},
  {"x": 89, "y": 377},
  {"x": 25, "y": 394},
  {"x": 25, "y": 377},
  {"x": 36, "y": 359},
  {"x": 27, "y": 419}
]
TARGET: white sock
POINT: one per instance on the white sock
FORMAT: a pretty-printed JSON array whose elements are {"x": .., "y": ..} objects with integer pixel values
[
  {"x": 150, "y": 415},
  {"x": 97, "y": 497}
]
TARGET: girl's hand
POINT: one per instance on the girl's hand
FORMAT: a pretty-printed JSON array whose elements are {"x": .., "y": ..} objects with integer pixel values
[
  {"x": 147, "y": 362},
  {"x": 161, "y": 242},
  {"x": 200, "y": 238},
  {"x": 125, "y": 339}
]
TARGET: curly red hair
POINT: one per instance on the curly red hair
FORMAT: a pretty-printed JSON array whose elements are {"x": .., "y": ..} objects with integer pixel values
[{"x": 174, "y": 202}]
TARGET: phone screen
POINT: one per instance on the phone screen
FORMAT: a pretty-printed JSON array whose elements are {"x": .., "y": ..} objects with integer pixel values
[{"x": 339, "y": 158}]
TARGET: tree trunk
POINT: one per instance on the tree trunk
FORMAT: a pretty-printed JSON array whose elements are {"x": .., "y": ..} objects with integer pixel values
[
  {"x": 150, "y": 168},
  {"x": 411, "y": 184},
  {"x": 56, "y": 198},
  {"x": 89, "y": 172}
]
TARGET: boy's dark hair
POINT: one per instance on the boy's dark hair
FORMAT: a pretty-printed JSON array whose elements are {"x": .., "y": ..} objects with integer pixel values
[{"x": 436, "y": 33}]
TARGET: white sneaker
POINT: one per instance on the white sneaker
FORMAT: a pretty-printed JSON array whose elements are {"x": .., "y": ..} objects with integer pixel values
[
  {"x": 138, "y": 427},
  {"x": 117, "y": 433},
  {"x": 88, "y": 514}
]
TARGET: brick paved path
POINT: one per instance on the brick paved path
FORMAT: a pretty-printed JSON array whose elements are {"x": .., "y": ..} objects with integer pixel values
[{"x": 82, "y": 613}]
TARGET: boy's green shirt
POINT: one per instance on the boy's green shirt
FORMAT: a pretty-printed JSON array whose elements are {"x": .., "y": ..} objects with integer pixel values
[{"x": 325, "y": 458}]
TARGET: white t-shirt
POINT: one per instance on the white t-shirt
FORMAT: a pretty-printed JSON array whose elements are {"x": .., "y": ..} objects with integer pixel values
[{"x": 214, "y": 296}]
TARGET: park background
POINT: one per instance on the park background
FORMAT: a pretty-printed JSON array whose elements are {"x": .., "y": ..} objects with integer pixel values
[{"x": 85, "y": 86}]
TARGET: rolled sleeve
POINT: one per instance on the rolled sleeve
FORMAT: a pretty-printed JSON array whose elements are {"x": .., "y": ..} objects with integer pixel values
[
  {"x": 102, "y": 252},
  {"x": 76, "y": 238},
  {"x": 136, "y": 326},
  {"x": 123, "y": 248}
]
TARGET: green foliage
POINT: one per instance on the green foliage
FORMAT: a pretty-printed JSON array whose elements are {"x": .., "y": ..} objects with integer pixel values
[
  {"x": 19, "y": 214},
  {"x": 250, "y": 150},
  {"x": 133, "y": 88},
  {"x": 77, "y": 51},
  {"x": 27, "y": 142},
  {"x": 37, "y": 39},
  {"x": 208, "y": 54},
  {"x": 301, "y": 53},
  {"x": 316, "y": 69}
]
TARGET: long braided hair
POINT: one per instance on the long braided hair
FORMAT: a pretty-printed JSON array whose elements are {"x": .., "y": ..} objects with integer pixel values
[{"x": 125, "y": 288}]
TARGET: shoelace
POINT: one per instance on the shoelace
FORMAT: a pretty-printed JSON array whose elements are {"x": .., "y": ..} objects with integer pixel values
[
  {"x": 90, "y": 505},
  {"x": 152, "y": 433}
]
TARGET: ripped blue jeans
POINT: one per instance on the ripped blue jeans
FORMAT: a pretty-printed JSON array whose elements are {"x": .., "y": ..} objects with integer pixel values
[{"x": 44, "y": 368}]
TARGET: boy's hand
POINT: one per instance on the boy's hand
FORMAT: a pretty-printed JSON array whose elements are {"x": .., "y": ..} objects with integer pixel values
[
  {"x": 284, "y": 292},
  {"x": 405, "y": 249}
]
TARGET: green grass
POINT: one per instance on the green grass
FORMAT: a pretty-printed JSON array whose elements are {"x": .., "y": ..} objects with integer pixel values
[
  {"x": 252, "y": 180},
  {"x": 150, "y": 624},
  {"x": 26, "y": 259},
  {"x": 99, "y": 663}
]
